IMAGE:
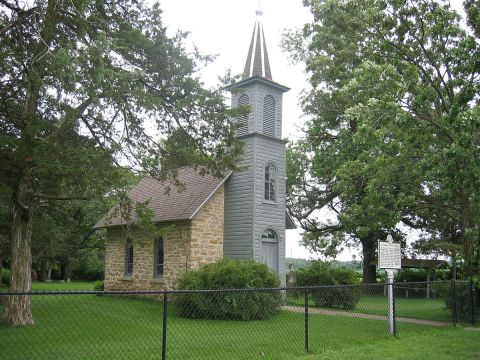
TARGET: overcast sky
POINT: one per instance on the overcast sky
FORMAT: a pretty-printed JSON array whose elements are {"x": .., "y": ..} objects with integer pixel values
[{"x": 224, "y": 28}]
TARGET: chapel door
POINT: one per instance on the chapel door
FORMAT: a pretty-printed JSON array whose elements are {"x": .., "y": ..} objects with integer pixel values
[{"x": 269, "y": 250}]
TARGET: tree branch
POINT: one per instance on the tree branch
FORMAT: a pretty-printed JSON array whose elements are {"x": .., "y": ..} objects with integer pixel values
[
  {"x": 56, "y": 197},
  {"x": 69, "y": 121}
]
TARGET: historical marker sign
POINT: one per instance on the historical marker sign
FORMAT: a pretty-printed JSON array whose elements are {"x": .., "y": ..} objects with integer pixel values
[{"x": 389, "y": 255}]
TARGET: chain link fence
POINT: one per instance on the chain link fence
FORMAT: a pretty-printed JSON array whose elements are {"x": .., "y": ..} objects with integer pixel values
[{"x": 228, "y": 324}]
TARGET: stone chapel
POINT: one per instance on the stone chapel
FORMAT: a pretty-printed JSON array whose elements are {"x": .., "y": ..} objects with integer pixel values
[{"x": 240, "y": 216}]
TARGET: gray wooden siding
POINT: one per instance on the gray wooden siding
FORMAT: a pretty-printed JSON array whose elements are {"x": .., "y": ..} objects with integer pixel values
[
  {"x": 237, "y": 243},
  {"x": 268, "y": 215},
  {"x": 247, "y": 214}
]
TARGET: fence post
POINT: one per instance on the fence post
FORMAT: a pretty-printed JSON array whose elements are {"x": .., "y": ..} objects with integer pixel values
[
  {"x": 472, "y": 303},
  {"x": 391, "y": 308},
  {"x": 394, "y": 296},
  {"x": 306, "y": 320},
  {"x": 164, "y": 328},
  {"x": 454, "y": 302}
]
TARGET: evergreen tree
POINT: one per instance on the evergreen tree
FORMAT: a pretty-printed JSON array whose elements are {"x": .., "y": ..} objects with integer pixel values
[{"x": 77, "y": 71}]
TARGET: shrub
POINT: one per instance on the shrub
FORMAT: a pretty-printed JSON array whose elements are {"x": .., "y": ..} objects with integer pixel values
[
  {"x": 321, "y": 273},
  {"x": 99, "y": 285},
  {"x": 5, "y": 274},
  {"x": 412, "y": 275},
  {"x": 463, "y": 300},
  {"x": 229, "y": 274}
]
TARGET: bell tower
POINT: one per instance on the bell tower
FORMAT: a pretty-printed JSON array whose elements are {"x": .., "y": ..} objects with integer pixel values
[{"x": 255, "y": 216}]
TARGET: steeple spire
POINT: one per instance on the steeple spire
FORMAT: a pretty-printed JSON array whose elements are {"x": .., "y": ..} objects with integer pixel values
[{"x": 257, "y": 60}]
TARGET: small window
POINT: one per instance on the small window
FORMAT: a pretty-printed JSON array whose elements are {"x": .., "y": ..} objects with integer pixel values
[
  {"x": 243, "y": 120},
  {"x": 129, "y": 258},
  {"x": 270, "y": 182},
  {"x": 159, "y": 258},
  {"x": 269, "y": 115},
  {"x": 269, "y": 235}
]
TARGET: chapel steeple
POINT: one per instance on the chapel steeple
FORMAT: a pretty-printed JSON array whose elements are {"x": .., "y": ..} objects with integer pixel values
[
  {"x": 257, "y": 60},
  {"x": 255, "y": 216}
]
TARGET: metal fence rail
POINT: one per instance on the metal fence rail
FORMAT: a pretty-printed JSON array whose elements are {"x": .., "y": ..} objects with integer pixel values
[{"x": 227, "y": 323}]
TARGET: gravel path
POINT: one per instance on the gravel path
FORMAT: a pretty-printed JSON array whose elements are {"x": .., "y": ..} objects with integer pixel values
[{"x": 300, "y": 309}]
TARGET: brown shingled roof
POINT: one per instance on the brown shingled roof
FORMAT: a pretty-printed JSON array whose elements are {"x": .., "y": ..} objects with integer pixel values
[{"x": 176, "y": 204}]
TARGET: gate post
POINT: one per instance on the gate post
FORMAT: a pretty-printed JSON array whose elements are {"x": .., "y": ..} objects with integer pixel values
[
  {"x": 164, "y": 327},
  {"x": 454, "y": 302},
  {"x": 306, "y": 320},
  {"x": 472, "y": 302}
]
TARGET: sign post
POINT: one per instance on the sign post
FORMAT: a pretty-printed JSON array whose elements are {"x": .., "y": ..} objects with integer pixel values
[{"x": 390, "y": 259}]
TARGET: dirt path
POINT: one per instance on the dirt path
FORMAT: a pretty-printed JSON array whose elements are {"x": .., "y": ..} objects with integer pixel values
[{"x": 299, "y": 309}]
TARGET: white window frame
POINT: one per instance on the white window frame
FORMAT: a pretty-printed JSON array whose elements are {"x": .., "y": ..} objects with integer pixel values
[{"x": 271, "y": 183}]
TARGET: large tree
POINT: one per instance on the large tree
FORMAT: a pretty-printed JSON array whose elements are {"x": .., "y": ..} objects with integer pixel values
[
  {"x": 106, "y": 71},
  {"x": 394, "y": 135}
]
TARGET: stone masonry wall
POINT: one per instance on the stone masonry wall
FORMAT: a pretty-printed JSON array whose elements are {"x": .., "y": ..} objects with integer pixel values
[
  {"x": 175, "y": 240},
  {"x": 207, "y": 232},
  {"x": 187, "y": 244}
]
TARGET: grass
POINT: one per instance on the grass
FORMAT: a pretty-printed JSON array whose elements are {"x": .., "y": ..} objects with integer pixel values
[
  {"x": 57, "y": 285},
  {"x": 111, "y": 327},
  {"x": 438, "y": 344},
  {"x": 418, "y": 308}
]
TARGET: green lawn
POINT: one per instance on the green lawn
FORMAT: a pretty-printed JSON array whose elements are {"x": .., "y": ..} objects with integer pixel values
[
  {"x": 111, "y": 327},
  {"x": 438, "y": 344},
  {"x": 106, "y": 327},
  {"x": 418, "y": 308},
  {"x": 56, "y": 285}
]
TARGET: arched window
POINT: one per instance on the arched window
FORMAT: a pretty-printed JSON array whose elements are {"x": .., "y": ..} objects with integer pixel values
[
  {"x": 270, "y": 182},
  {"x": 269, "y": 236},
  {"x": 129, "y": 258},
  {"x": 269, "y": 115},
  {"x": 243, "y": 120},
  {"x": 158, "y": 259}
]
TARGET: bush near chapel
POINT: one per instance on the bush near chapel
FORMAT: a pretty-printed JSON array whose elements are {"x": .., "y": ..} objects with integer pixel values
[
  {"x": 321, "y": 273},
  {"x": 229, "y": 274}
]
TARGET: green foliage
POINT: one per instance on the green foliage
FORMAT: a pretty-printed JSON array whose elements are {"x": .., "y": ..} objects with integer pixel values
[
  {"x": 294, "y": 263},
  {"x": 463, "y": 300},
  {"x": 95, "y": 78},
  {"x": 394, "y": 133},
  {"x": 321, "y": 273},
  {"x": 5, "y": 275},
  {"x": 229, "y": 274},
  {"x": 99, "y": 285},
  {"x": 412, "y": 275}
]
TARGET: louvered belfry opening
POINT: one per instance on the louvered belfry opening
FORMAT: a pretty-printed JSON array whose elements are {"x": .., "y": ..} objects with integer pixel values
[
  {"x": 243, "y": 119},
  {"x": 269, "y": 115}
]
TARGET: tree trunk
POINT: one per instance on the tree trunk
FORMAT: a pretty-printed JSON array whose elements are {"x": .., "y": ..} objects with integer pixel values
[
  {"x": 468, "y": 234},
  {"x": 42, "y": 274},
  {"x": 65, "y": 269},
  {"x": 1, "y": 269},
  {"x": 369, "y": 247},
  {"x": 18, "y": 309}
]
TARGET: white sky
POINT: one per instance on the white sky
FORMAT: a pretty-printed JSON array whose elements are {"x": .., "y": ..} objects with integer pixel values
[{"x": 224, "y": 28}]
